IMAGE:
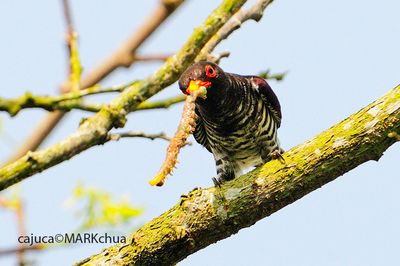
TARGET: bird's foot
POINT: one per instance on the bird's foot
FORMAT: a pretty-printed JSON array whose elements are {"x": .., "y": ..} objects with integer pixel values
[
  {"x": 277, "y": 155},
  {"x": 217, "y": 182}
]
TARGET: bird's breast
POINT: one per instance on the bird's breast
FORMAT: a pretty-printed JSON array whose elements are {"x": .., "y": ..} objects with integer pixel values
[{"x": 242, "y": 129}]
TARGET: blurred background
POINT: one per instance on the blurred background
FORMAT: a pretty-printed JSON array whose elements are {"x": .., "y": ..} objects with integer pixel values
[{"x": 340, "y": 56}]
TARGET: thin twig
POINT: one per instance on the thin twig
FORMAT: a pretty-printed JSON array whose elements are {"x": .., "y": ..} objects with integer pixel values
[
  {"x": 216, "y": 58},
  {"x": 74, "y": 65},
  {"x": 67, "y": 16},
  {"x": 11, "y": 251},
  {"x": 152, "y": 57},
  {"x": 65, "y": 102},
  {"x": 255, "y": 12},
  {"x": 124, "y": 56},
  {"x": 133, "y": 134},
  {"x": 161, "y": 104},
  {"x": 118, "y": 136},
  {"x": 275, "y": 76},
  {"x": 20, "y": 217}
]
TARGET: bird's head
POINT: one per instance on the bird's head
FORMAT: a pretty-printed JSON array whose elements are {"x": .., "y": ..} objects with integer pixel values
[{"x": 203, "y": 74}]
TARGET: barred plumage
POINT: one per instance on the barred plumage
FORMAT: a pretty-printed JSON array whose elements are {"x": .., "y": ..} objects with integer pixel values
[{"x": 238, "y": 120}]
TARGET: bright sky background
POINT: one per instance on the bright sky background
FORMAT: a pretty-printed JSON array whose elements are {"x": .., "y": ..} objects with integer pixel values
[{"x": 341, "y": 55}]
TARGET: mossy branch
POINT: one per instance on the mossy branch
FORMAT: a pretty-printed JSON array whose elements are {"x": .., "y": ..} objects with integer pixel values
[
  {"x": 205, "y": 216},
  {"x": 64, "y": 102},
  {"x": 94, "y": 130},
  {"x": 72, "y": 100}
]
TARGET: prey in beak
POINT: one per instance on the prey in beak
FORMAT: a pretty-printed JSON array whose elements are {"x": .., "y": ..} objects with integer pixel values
[{"x": 196, "y": 85}]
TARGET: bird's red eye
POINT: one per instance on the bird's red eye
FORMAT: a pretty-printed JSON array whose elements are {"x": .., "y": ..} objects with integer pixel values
[{"x": 210, "y": 71}]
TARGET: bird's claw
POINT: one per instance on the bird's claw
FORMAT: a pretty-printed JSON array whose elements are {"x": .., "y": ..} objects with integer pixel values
[
  {"x": 277, "y": 155},
  {"x": 216, "y": 182}
]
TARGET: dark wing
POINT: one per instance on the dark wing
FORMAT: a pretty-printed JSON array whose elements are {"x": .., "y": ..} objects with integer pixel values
[
  {"x": 268, "y": 97},
  {"x": 200, "y": 134}
]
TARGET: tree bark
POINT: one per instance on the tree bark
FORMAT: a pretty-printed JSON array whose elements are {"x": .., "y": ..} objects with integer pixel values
[{"x": 205, "y": 216}]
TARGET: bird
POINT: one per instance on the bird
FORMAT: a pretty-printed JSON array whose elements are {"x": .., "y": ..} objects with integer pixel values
[{"x": 237, "y": 121}]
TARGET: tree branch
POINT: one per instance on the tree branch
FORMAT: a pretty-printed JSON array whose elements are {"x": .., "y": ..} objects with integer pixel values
[
  {"x": 65, "y": 102},
  {"x": 253, "y": 13},
  {"x": 205, "y": 216},
  {"x": 71, "y": 100},
  {"x": 75, "y": 68},
  {"x": 118, "y": 136},
  {"x": 124, "y": 56},
  {"x": 131, "y": 134},
  {"x": 94, "y": 131}
]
